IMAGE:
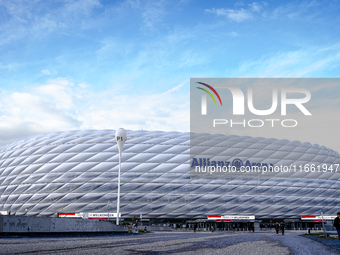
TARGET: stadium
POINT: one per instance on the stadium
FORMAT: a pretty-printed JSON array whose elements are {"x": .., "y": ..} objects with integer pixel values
[{"x": 76, "y": 172}]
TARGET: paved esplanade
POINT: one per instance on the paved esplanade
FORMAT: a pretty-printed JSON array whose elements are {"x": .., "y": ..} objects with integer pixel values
[{"x": 168, "y": 243}]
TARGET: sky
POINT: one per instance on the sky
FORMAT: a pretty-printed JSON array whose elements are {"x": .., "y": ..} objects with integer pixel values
[{"x": 92, "y": 64}]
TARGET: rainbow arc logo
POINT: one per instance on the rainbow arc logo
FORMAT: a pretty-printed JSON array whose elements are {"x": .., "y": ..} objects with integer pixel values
[{"x": 209, "y": 93}]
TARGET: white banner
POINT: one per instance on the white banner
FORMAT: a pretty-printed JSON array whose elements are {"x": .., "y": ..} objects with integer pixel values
[
  {"x": 103, "y": 215},
  {"x": 232, "y": 217},
  {"x": 318, "y": 217}
]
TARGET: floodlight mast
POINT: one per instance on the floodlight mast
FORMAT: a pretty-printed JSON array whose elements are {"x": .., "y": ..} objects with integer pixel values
[
  {"x": 323, "y": 224},
  {"x": 120, "y": 139}
]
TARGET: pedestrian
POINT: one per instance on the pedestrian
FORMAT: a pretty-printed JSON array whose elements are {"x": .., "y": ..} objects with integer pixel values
[
  {"x": 253, "y": 227},
  {"x": 136, "y": 225},
  {"x": 277, "y": 228},
  {"x": 282, "y": 226},
  {"x": 337, "y": 224}
]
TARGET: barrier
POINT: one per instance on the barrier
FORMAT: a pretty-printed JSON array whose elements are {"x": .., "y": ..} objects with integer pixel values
[{"x": 27, "y": 224}]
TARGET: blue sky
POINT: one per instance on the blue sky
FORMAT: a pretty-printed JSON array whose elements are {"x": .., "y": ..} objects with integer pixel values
[{"x": 109, "y": 64}]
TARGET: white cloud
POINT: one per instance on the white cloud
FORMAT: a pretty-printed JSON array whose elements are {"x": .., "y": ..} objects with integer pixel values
[
  {"x": 112, "y": 47},
  {"x": 33, "y": 19},
  {"x": 153, "y": 13},
  {"x": 83, "y": 85},
  {"x": 131, "y": 3},
  {"x": 57, "y": 91},
  {"x": 235, "y": 15},
  {"x": 184, "y": 2},
  {"x": 239, "y": 15},
  {"x": 299, "y": 10},
  {"x": 300, "y": 63},
  {"x": 59, "y": 104},
  {"x": 83, "y": 6},
  {"x": 8, "y": 67},
  {"x": 233, "y": 34},
  {"x": 28, "y": 113},
  {"x": 255, "y": 6},
  {"x": 162, "y": 111},
  {"x": 45, "y": 71}
]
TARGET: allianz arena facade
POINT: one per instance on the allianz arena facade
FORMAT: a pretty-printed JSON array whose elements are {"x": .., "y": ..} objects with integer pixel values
[{"x": 76, "y": 171}]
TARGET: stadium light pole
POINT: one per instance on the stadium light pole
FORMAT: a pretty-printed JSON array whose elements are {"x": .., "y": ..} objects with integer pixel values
[
  {"x": 323, "y": 225},
  {"x": 120, "y": 139}
]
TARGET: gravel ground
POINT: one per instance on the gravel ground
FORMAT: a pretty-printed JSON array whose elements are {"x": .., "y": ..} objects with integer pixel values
[{"x": 167, "y": 243}]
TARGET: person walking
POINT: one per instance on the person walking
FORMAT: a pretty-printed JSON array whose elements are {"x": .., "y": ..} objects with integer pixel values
[
  {"x": 277, "y": 228},
  {"x": 282, "y": 226},
  {"x": 136, "y": 225},
  {"x": 253, "y": 227},
  {"x": 336, "y": 224}
]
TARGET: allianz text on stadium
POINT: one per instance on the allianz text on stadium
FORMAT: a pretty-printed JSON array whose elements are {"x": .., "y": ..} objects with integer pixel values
[{"x": 163, "y": 176}]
